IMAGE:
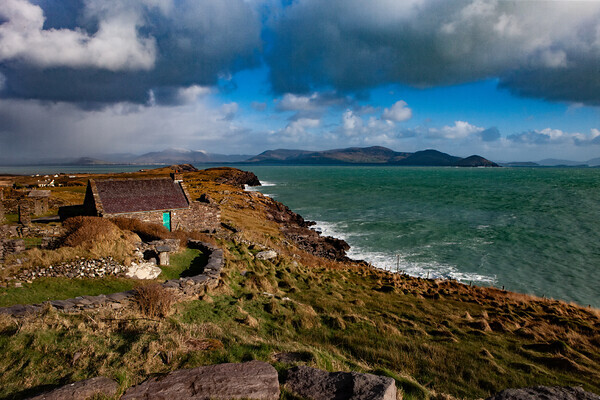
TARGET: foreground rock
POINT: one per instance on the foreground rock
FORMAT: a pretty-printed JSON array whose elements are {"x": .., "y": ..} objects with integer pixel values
[
  {"x": 266, "y": 255},
  {"x": 316, "y": 384},
  {"x": 546, "y": 393},
  {"x": 143, "y": 271},
  {"x": 83, "y": 390},
  {"x": 251, "y": 380}
]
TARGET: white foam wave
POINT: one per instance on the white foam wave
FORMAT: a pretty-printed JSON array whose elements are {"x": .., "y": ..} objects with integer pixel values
[{"x": 400, "y": 262}]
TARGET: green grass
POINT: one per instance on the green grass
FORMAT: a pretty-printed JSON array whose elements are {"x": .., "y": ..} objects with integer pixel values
[
  {"x": 11, "y": 218},
  {"x": 44, "y": 289},
  {"x": 189, "y": 262}
]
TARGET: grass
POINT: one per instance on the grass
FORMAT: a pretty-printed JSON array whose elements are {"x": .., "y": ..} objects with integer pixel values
[
  {"x": 336, "y": 317},
  {"x": 188, "y": 262},
  {"x": 44, "y": 289}
]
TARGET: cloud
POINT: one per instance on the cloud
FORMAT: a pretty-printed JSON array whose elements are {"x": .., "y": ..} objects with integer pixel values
[
  {"x": 398, "y": 112},
  {"x": 490, "y": 135},
  {"x": 110, "y": 51},
  {"x": 116, "y": 45},
  {"x": 30, "y": 128},
  {"x": 550, "y": 136},
  {"x": 349, "y": 46},
  {"x": 460, "y": 130},
  {"x": 317, "y": 101}
]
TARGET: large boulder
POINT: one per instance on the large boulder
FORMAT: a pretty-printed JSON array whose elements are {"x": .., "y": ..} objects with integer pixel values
[
  {"x": 251, "y": 380},
  {"x": 143, "y": 271},
  {"x": 83, "y": 390},
  {"x": 545, "y": 393},
  {"x": 316, "y": 384}
]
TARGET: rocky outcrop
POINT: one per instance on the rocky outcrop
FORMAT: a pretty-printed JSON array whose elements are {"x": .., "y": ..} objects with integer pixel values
[
  {"x": 546, "y": 393},
  {"x": 236, "y": 177},
  {"x": 83, "y": 390},
  {"x": 296, "y": 229},
  {"x": 316, "y": 384},
  {"x": 250, "y": 380}
]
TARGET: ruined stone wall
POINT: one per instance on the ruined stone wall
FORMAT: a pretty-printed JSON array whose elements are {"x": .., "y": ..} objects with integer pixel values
[
  {"x": 182, "y": 289},
  {"x": 199, "y": 217}
]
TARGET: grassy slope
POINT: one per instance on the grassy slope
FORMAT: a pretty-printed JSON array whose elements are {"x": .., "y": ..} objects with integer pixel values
[{"x": 431, "y": 336}]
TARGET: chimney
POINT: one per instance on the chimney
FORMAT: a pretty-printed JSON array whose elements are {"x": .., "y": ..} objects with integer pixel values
[{"x": 177, "y": 177}]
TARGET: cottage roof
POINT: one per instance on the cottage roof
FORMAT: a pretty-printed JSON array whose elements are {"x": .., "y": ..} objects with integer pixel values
[{"x": 137, "y": 195}]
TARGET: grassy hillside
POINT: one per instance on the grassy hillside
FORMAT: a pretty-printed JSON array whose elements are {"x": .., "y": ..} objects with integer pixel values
[{"x": 436, "y": 338}]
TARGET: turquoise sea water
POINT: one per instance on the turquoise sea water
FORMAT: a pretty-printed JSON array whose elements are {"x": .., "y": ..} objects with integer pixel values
[{"x": 530, "y": 230}]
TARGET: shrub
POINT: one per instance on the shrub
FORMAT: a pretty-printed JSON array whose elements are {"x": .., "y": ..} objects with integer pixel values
[
  {"x": 86, "y": 230},
  {"x": 153, "y": 300}
]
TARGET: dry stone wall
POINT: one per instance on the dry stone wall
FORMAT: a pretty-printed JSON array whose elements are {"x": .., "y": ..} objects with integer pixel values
[{"x": 184, "y": 288}]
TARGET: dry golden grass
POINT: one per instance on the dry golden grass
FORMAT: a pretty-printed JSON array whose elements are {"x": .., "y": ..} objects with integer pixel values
[{"x": 153, "y": 300}]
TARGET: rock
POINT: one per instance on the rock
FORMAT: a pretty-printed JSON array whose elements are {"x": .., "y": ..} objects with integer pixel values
[
  {"x": 266, "y": 255},
  {"x": 143, "y": 271},
  {"x": 250, "y": 380},
  {"x": 546, "y": 393},
  {"x": 99, "y": 386},
  {"x": 316, "y": 384}
]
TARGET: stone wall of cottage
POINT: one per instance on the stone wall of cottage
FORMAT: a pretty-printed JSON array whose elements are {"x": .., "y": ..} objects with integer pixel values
[{"x": 199, "y": 217}]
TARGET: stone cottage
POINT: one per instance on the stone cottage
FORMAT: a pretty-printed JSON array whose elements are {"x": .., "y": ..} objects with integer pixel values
[{"x": 163, "y": 201}]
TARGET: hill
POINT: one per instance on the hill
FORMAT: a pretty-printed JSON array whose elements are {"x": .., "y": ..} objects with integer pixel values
[
  {"x": 367, "y": 155},
  {"x": 185, "y": 156},
  {"x": 429, "y": 158},
  {"x": 475, "y": 161}
]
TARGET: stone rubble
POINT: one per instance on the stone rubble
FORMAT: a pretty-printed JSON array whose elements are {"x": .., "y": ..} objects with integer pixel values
[
  {"x": 80, "y": 268},
  {"x": 183, "y": 288}
]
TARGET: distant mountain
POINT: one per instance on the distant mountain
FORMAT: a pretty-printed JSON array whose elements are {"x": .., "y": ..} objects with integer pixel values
[
  {"x": 520, "y": 164},
  {"x": 554, "y": 162},
  {"x": 88, "y": 161},
  {"x": 185, "y": 156},
  {"x": 366, "y": 155},
  {"x": 278, "y": 155},
  {"x": 351, "y": 155},
  {"x": 594, "y": 162},
  {"x": 429, "y": 157},
  {"x": 475, "y": 161}
]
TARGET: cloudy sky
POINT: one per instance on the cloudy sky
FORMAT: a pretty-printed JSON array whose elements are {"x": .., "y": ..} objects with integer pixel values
[{"x": 510, "y": 80}]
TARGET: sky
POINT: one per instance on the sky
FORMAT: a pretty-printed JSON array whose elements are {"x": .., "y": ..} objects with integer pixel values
[{"x": 508, "y": 80}]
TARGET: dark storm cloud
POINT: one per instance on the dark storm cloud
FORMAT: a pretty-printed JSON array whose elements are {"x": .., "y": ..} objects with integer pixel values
[
  {"x": 120, "y": 55},
  {"x": 547, "y": 49}
]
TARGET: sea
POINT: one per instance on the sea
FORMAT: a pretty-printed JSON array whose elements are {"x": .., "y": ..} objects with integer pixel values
[{"x": 528, "y": 230}]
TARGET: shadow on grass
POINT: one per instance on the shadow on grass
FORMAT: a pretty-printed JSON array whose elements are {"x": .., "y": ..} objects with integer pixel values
[{"x": 196, "y": 266}]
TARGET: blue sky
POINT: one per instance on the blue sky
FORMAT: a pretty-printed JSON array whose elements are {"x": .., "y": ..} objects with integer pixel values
[{"x": 509, "y": 80}]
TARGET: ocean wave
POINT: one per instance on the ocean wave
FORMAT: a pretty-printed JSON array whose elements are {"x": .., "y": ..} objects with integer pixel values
[{"x": 400, "y": 262}]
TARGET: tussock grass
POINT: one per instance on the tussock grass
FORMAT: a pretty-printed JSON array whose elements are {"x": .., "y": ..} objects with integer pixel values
[{"x": 153, "y": 300}]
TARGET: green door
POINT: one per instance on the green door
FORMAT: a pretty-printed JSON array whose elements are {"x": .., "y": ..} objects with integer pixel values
[{"x": 167, "y": 220}]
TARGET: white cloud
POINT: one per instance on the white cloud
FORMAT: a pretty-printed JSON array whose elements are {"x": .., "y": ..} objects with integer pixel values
[
  {"x": 191, "y": 93},
  {"x": 398, "y": 112},
  {"x": 116, "y": 45},
  {"x": 460, "y": 130}
]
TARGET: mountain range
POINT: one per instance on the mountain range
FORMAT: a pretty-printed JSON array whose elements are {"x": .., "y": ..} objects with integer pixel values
[
  {"x": 368, "y": 155},
  {"x": 375, "y": 155}
]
